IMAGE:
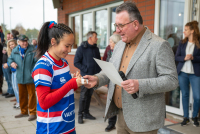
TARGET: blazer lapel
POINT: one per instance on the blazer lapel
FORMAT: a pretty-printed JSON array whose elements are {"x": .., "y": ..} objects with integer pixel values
[
  {"x": 119, "y": 56},
  {"x": 144, "y": 42}
]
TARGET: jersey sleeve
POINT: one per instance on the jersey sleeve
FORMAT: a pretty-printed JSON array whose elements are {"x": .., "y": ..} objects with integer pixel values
[{"x": 42, "y": 73}]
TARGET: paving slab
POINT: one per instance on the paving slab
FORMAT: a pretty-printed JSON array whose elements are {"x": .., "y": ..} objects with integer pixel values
[
  {"x": 22, "y": 130},
  {"x": 189, "y": 129}
]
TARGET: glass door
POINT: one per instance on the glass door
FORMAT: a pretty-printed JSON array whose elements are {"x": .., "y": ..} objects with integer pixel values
[{"x": 171, "y": 26}]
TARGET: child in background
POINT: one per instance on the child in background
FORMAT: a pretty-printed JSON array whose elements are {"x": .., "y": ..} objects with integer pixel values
[
  {"x": 10, "y": 45},
  {"x": 54, "y": 85}
]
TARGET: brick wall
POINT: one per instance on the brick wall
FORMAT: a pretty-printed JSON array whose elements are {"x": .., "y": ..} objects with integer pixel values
[
  {"x": 146, "y": 7},
  {"x": 70, "y": 60},
  {"x": 70, "y": 6}
]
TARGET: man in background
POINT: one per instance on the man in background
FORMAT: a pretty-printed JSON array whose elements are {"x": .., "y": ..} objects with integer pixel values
[
  {"x": 84, "y": 61},
  {"x": 34, "y": 43}
]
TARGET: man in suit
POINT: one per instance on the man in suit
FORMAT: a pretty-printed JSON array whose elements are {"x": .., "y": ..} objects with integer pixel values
[{"x": 148, "y": 63}]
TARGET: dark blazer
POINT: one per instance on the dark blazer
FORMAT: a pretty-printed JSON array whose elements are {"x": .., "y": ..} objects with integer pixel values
[
  {"x": 180, "y": 55},
  {"x": 84, "y": 61}
]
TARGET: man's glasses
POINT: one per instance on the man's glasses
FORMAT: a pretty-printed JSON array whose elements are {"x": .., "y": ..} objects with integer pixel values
[{"x": 120, "y": 26}]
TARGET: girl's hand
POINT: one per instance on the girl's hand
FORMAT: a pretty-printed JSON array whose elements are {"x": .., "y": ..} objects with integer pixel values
[
  {"x": 78, "y": 81},
  {"x": 5, "y": 65},
  {"x": 76, "y": 74}
]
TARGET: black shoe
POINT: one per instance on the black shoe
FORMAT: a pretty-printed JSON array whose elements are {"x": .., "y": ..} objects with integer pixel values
[
  {"x": 10, "y": 95},
  {"x": 185, "y": 122},
  {"x": 195, "y": 122},
  {"x": 5, "y": 94},
  {"x": 110, "y": 127},
  {"x": 88, "y": 116},
  {"x": 80, "y": 119}
]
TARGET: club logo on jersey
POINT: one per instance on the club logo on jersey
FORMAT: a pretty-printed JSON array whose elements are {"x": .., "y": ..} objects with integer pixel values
[
  {"x": 62, "y": 80},
  {"x": 68, "y": 114}
]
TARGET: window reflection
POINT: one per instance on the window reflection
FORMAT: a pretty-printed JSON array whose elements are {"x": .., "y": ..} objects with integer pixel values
[
  {"x": 101, "y": 18},
  {"x": 76, "y": 27},
  {"x": 113, "y": 15},
  {"x": 171, "y": 29},
  {"x": 87, "y": 25}
]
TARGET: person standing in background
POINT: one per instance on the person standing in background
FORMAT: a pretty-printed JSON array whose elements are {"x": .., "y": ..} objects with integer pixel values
[
  {"x": 34, "y": 43},
  {"x": 11, "y": 44},
  {"x": 14, "y": 34},
  {"x": 1, "y": 71},
  {"x": 8, "y": 36},
  {"x": 23, "y": 60},
  {"x": 1, "y": 35},
  {"x": 7, "y": 75},
  {"x": 112, "y": 41},
  {"x": 188, "y": 56},
  {"x": 84, "y": 61}
]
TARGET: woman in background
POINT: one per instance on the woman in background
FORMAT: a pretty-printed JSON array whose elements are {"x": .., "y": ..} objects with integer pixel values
[
  {"x": 10, "y": 45},
  {"x": 112, "y": 41},
  {"x": 188, "y": 69}
]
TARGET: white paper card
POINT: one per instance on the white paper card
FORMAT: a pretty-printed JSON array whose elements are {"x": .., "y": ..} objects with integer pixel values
[{"x": 110, "y": 71}]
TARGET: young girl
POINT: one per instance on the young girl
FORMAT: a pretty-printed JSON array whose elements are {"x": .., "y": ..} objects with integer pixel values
[
  {"x": 53, "y": 82},
  {"x": 10, "y": 45}
]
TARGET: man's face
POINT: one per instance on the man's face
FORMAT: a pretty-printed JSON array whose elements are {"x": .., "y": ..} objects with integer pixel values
[
  {"x": 127, "y": 32},
  {"x": 94, "y": 39},
  {"x": 34, "y": 42},
  {"x": 8, "y": 37},
  {"x": 23, "y": 44}
]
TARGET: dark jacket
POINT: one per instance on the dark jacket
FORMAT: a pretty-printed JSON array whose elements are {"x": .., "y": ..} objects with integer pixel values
[
  {"x": 180, "y": 55},
  {"x": 84, "y": 61},
  {"x": 1, "y": 58},
  {"x": 2, "y": 36},
  {"x": 5, "y": 58},
  {"x": 106, "y": 53}
]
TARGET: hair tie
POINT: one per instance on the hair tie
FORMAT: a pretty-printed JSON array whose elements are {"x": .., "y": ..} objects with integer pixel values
[{"x": 51, "y": 24}]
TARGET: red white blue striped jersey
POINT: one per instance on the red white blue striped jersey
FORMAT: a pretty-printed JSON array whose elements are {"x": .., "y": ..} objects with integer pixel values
[{"x": 60, "y": 118}]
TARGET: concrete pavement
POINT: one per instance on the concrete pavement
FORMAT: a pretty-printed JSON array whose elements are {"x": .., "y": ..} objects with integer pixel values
[{"x": 11, "y": 125}]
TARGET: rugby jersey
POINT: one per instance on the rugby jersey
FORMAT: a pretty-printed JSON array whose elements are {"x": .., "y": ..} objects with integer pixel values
[{"x": 60, "y": 117}]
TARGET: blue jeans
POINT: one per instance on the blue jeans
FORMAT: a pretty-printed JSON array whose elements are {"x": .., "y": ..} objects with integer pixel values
[
  {"x": 184, "y": 81},
  {"x": 15, "y": 86},
  {"x": 7, "y": 74}
]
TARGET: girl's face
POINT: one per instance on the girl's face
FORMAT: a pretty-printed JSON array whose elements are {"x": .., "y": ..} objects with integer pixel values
[
  {"x": 187, "y": 32},
  {"x": 12, "y": 45},
  {"x": 62, "y": 49},
  {"x": 112, "y": 44}
]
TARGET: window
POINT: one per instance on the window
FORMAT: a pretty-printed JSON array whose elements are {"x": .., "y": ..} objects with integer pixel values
[
  {"x": 171, "y": 20},
  {"x": 171, "y": 29},
  {"x": 113, "y": 15},
  {"x": 87, "y": 25},
  {"x": 76, "y": 27},
  {"x": 99, "y": 19},
  {"x": 101, "y": 28}
]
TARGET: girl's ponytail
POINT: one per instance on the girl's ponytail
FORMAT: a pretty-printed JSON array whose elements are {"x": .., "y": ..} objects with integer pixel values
[{"x": 43, "y": 40}]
